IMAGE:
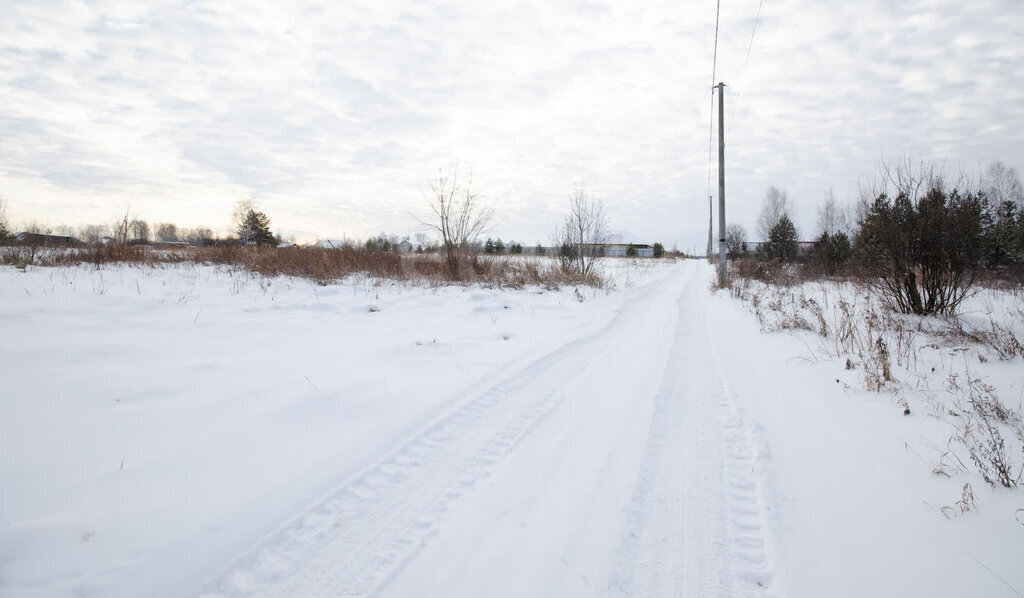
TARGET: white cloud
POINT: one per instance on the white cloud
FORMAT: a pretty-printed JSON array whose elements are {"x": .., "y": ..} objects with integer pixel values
[{"x": 333, "y": 116}]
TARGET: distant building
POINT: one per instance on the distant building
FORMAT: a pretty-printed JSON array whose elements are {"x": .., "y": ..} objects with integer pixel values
[
  {"x": 617, "y": 249},
  {"x": 802, "y": 247},
  {"x": 45, "y": 240},
  {"x": 805, "y": 247}
]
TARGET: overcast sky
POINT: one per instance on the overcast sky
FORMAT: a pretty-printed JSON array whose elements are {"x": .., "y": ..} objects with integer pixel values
[{"x": 333, "y": 117}]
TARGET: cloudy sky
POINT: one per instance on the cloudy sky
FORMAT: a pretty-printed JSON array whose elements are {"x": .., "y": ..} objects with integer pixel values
[{"x": 333, "y": 117}]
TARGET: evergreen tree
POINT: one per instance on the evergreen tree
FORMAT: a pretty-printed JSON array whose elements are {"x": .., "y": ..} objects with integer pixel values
[
  {"x": 925, "y": 250},
  {"x": 659, "y": 250},
  {"x": 832, "y": 250},
  {"x": 255, "y": 229},
  {"x": 782, "y": 240},
  {"x": 1002, "y": 235}
]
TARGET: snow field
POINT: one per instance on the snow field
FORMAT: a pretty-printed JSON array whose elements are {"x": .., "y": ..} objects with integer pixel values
[
  {"x": 155, "y": 423},
  {"x": 201, "y": 431}
]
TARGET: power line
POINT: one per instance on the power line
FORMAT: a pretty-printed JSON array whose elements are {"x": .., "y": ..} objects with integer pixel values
[
  {"x": 743, "y": 81},
  {"x": 751, "y": 44},
  {"x": 714, "y": 57},
  {"x": 711, "y": 122}
]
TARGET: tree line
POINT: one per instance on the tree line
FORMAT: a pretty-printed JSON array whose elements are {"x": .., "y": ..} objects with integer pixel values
[
  {"x": 456, "y": 213},
  {"x": 920, "y": 238},
  {"x": 250, "y": 226}
]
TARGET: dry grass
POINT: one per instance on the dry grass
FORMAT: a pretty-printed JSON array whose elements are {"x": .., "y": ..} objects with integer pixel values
[
  {"x": 846, "y": 321},
  {"x": 964, "y": 505},
  {"x": 324, "y": 266}
]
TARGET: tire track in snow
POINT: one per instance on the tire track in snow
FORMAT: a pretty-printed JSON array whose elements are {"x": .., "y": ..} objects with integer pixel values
[
  {"x": 695, "y": 524},
  {"x": 746, "y": 503},
  {"x": 358, "y": 538}
]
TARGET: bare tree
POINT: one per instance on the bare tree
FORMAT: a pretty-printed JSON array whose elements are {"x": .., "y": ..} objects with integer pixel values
[
  {"x": 38, "y": 228},
  {"x": 903, "y": 177},
  {"x": 832, "y": 217},
  {"x": 4, "y": 230},
  {"x": 1002, "y": 184},
  {"x": 892, "y": 179},
  {"x": 457, "y": 215},
  {"x": 735, "y": 239},
  {"x": 583, "y": 232},
  {"x": 198, "y": 236},
  {"x": 139, "y": 230},
  {"x": 121, "y": 227},
  {"x": 166, "y": 232},
  {"x": 65, "y": 230},
  {"x": 774, "y": 206},
  {"x": 1003, "y": 200},
  {"x": 239, "y": 216},
  {"x": 92, "y": 233}
]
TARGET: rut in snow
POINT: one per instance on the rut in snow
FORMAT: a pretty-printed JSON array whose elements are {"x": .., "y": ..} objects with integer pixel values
[
  {"x": 587, "y": 472},
  {"x": 695, "y": 522},
  {"x": 353, "y": 541}
]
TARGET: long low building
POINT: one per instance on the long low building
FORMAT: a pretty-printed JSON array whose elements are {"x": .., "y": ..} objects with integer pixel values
[
  {"x": 44, "y": 240},
  {"x": 617, "y": 249}
]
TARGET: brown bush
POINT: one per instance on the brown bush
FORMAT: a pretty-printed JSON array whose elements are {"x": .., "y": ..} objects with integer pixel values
[{"x": 769, "y": 271}]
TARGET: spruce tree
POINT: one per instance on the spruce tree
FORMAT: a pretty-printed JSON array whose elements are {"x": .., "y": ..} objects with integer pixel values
[
  {"x": 782, "y": 240},
  {"x": 255, "y": 229}
]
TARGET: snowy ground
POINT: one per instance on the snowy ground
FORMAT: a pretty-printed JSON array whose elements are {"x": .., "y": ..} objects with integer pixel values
[{"x": 193, "y": 431}]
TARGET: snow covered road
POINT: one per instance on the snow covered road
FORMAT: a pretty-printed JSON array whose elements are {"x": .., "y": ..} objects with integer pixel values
[{"x": 613, "y": 465}]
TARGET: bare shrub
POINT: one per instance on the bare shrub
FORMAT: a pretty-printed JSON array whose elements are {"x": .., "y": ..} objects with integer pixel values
[
  {"x": 582, "y": 234},
  {"x": 735, "y": 240},
  {"x": 108, "y": 253},
  {"x": 771, "y": 271}
]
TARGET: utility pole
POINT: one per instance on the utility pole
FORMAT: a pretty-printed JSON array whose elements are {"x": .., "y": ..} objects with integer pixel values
[
  {"x": 711, "y": 228},
  {"x": 721, "y": 185}
]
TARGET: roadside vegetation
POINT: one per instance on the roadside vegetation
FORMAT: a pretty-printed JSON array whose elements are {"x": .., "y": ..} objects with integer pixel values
[{"x": 916, "y": 292}]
